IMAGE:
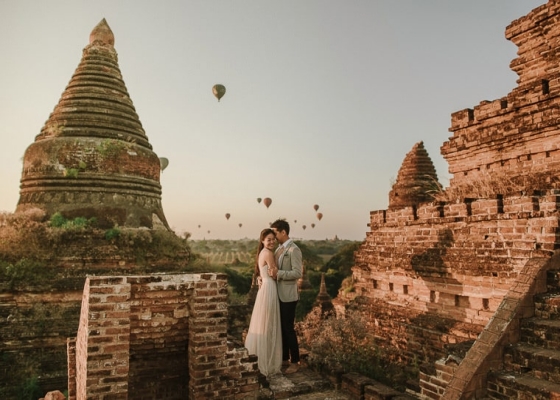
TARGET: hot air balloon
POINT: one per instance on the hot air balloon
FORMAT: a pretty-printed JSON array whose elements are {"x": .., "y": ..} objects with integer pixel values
[
  {"x": 163, "y": 163},
  {"x": 228, "y": 215},
  {"x": 267, "y": 201},
  {"x": 240, "y": 225},
  {"x": 295, "y": 221},
  {"x": 219, "y": 91},
  {"x": 313, "y": 225},
  {"x": 316, "y": 207},
  {"x": 319, "y": 216},
  {"x": 259, "y": 200},
  {"x": 208, "y": 231},
  {"x": 199, "y": 226}
]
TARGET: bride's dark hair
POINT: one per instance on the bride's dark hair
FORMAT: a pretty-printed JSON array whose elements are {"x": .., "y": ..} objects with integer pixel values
[{"x": 264, "y": 233}]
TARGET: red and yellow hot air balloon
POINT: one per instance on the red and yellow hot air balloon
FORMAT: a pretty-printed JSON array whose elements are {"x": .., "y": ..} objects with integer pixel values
[
  {"x": 319, "y": 216},
  {"x": 267, "y": 201}
]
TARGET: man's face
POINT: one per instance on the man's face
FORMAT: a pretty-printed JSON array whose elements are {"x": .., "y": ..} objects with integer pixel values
[{"x": 281, "y": 236}]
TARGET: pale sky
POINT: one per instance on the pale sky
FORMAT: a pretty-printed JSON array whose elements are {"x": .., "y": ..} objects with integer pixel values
[{"x": 324, "y": 98}]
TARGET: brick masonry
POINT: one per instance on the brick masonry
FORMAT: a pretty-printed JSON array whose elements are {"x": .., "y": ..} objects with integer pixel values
[
  {"x": 433, "y": 278},
  {"x": 157, "y": 336}
]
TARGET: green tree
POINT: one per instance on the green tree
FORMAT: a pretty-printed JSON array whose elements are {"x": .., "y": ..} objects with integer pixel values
[
  {"x": 339, "y": 267},
  {"x": 311, "y": 259}
]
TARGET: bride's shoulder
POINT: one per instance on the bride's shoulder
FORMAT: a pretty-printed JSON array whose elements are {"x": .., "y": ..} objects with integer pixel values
[{"x": 265, "y": 253}]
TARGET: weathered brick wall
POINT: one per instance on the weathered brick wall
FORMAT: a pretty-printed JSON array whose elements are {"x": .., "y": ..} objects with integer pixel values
[
  {"x": 33, "y": 328},
  {"x": 103, "y": 341},
  {"x": 516, "y": 135},
  {"x": 158, "y": 337},
  {"x": 469, "y": 379},
  {"x": 434, "y": 276}
]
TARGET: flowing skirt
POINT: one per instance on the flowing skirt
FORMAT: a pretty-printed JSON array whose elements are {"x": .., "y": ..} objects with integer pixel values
[{"x": 264, "y": 337}]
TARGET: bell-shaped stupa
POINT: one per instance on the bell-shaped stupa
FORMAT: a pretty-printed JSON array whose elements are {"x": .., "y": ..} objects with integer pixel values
[
  {"x": 416, "y": 181},
  {"x": 92, "y": 157}
]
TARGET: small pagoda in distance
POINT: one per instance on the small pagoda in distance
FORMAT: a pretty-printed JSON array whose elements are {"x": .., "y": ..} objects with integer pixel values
[{"x": 92, "y": 158}]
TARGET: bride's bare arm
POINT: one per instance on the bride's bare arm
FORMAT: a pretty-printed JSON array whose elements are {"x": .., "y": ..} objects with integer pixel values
[{"x": 271, "y": 262}]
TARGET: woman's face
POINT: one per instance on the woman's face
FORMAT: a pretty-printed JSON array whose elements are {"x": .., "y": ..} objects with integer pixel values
[{"x": 269, "y": 241}]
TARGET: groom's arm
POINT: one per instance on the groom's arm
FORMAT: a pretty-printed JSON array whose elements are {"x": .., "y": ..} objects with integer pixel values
[{"x": 296, "y": 260}]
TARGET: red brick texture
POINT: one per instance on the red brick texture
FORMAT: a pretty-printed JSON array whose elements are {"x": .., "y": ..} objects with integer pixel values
[{"x": 157, "y": 337}]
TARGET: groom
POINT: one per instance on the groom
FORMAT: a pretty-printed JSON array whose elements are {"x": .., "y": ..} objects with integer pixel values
[{"x": 290, "y": 269}]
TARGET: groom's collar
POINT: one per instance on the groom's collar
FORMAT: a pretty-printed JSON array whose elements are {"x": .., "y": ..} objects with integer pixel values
[{"x": 287, "y": 243}]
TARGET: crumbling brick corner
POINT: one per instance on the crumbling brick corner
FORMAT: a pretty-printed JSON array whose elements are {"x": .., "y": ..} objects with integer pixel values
[{"x": 160, "y": 337}]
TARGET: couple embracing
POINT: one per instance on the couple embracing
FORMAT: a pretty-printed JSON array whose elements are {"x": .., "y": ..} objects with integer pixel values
[{"x": 271, "y": 335}]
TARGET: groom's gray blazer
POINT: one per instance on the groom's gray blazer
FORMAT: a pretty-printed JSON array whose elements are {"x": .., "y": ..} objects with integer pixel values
[{"x": 289, "y": 271}]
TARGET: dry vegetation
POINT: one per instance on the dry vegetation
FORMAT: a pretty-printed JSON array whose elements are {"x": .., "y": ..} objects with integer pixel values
[
  {"x": 345, "y": 344},
  {"x": 32, "y": 248},
  {"x": 491, "y": 185}
]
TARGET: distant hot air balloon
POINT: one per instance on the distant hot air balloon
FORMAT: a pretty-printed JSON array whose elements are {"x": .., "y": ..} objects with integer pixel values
[
  {"x": 319, "y": 216},
  {"x": 295, "y": 221},
  {"x": 219, "y": 91},
  {"x": 240, "y": 225},
  {"x": 303, "y": 226},
  {"x": 228, "y": 215},
  {"x": 267, "y": 201},
  {"x": 208, "y": 231},
  {"x": 259, "y": 200},
  {"x": 199, "y": 226},
  {"x": 313, "y": 225},
  {"x": 163, "y": 163},
  {"x": 316, "y": 207}
]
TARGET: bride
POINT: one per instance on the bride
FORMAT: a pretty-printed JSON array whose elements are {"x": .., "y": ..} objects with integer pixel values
[{"x": 264, "y": 337}]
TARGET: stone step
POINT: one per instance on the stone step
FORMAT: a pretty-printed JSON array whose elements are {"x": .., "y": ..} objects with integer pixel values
[
  {"x": 523, "y": 358},
  {"x": 305, "y": 382},
  {"x": 503, "y": 385},
  {"x": 543, "y": 333},
  {"x": 547, "y": 305}
]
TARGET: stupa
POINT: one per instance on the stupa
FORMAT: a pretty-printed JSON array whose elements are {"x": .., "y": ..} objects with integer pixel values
[
  {"x": 324, "y": 300},
  {"x": 92, "y": 157},
  {"x": 416, "y": 181}
]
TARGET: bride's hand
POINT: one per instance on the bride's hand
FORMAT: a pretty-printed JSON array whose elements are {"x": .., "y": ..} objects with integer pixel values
[{"x": 272, "y": 272}]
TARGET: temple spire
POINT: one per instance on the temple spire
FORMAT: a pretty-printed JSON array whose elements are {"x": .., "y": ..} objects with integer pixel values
[
  {"x": 102, "y": 34},
  {"x": 323, "y": 300},
  {"x": 416, "y": 181},
  {"x": 92, "y": 157}
]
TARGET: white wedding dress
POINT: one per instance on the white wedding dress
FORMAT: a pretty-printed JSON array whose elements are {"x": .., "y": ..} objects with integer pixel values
[{"x": 264, "y": 337}]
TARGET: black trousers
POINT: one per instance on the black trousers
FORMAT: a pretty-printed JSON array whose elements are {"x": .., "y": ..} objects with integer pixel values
[{"x": 290, "y": 346}]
